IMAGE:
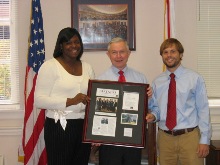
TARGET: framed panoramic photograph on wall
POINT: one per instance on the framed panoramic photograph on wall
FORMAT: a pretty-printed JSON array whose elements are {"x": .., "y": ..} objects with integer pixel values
[
  {"x": 98, "y": 21},
  {"x": 116, "y": 113}
]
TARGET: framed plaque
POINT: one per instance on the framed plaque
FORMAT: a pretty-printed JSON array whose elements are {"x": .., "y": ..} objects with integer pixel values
[{"x": 116, "y": 113}]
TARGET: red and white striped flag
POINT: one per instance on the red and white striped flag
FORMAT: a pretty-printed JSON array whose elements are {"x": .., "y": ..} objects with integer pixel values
[
  {"x": 169, "y": 20},
  {"x": 33, "y": 131}
]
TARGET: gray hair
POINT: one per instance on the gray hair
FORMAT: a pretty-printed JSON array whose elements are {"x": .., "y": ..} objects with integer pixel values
[{"x": 117, "y": 39}]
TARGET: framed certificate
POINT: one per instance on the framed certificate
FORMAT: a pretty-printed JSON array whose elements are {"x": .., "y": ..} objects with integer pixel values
[{"x": 116, "y": 113}]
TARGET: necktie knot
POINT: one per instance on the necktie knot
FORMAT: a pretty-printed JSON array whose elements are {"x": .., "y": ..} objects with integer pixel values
[
  {"x": 121, "y": 72},
  {"x": 172, "y": 75},
  {"x": 121, "y": 76}
]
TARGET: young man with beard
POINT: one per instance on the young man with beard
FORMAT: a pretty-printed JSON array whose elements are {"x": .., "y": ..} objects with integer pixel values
[{"x": 187, "y": 139}]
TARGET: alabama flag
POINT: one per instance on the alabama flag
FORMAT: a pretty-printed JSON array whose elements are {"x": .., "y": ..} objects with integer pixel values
[{"x": 169, "y": 19}]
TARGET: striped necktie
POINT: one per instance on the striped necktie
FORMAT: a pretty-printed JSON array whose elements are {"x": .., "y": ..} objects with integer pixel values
[{"x": 171, "y": 106}]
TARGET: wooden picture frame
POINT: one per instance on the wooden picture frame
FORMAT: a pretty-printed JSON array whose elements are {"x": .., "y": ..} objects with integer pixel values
[
  {"x": 98, "y": 21},
  {"x": 116, "y": 113}
]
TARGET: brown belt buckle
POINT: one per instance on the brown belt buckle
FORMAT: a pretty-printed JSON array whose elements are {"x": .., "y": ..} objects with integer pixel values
[{"x": 173, "y": 132}]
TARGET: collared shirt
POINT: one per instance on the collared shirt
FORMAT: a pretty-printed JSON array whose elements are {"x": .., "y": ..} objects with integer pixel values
[
  {"x": 191, "y": 101},
  {"x": 130, "y": 74}
]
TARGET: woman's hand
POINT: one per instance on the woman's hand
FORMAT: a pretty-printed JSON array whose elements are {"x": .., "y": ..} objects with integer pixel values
[
  {"x": 79, "y": 98},
  {"x": 82, "y": 98}
]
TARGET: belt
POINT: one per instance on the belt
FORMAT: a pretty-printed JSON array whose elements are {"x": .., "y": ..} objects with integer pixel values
[{"x": 179, "y": 132}]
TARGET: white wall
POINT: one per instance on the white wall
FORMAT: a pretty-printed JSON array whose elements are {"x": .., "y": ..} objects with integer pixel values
[
  {"x": 146, "y": 58},
  {"x": 149, "y": 34}
]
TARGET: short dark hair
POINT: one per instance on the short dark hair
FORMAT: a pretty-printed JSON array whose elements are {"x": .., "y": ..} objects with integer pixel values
[
  {"x": 64, "y": 36},
  {"x": 169, "y": 42}
]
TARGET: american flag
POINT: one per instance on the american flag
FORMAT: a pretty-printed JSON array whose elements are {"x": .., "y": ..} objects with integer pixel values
[{"x": 33, "y": 133}]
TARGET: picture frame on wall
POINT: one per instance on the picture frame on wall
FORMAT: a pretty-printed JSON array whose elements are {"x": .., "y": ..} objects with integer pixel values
[
  {"x": 116, "y": 113},
  {"x": 98, "y": 21}
]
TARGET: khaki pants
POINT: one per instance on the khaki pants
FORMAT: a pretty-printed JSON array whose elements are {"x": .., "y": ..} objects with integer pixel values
[{"x": 182, "y": 148}]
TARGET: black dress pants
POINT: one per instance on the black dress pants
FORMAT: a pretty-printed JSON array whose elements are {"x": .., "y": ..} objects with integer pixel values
[
  {"x": 117, "y": 155},
  {"x": 65, "y": 147}
]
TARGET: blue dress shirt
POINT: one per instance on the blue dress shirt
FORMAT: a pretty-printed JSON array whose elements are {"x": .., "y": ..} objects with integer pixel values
[
  {"x": 191, "y": 101},
  {"x": 130, "y": 74}
]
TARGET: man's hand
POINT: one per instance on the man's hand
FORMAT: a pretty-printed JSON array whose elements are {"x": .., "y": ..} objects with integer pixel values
[
  {"x": 150, "y": 117},
  {"x": 96, "y": 144},
  {"x": 203, "y": 150},
  {"x": 149, "y": 92}
]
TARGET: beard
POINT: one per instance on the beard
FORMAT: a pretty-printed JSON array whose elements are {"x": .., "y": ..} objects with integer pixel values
[{"x": 174, "y": 64}]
